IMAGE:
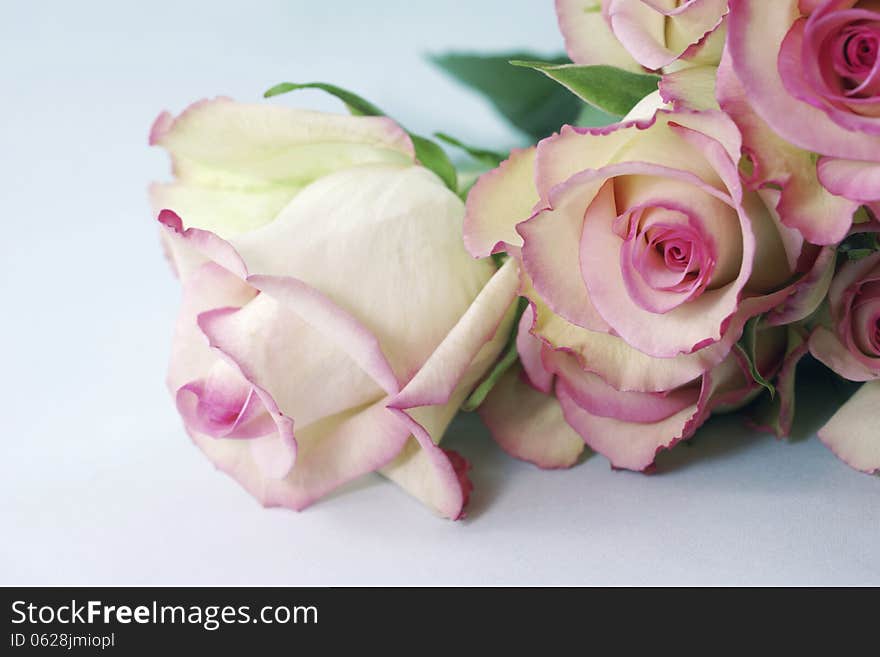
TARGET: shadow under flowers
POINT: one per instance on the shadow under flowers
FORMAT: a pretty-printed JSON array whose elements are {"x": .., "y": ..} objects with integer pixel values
[
  {"x": 725, "y": 437},
  {"x": 468, "y": 436},
  {"x": 492, "y": 470},
  {"x": 818, "y": 394}
]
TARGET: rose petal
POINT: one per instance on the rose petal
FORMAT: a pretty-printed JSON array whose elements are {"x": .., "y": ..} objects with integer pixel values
[
  {"x": 550, "y": 254},
  {"x": 326, "y": 318},
  {"x": 828, "y": 349},
  {"x": 224, "y": 411},
  {"x": 487, "y": 320},
  {"x": 209, "y": 286},
  {"x": 690, "y": 88},
  {"x": 852, "y": 431},
  {"x": 498, "y": 201},
  {"x": 625, "y": 368},
  {"x": 529, "y": 425},
  {"x": 573, "y": 150},
  {"x": 338, "y": 228},
  {"x": 628, "y": 445},
  {"x": 529, "y": 349},
  {"x": 656, "y": 35},
  {"x": 191, "y": 248},
  {"x": 810, "y": 291},
  {"x": 858, "y": 181},
  {"x": 226, "y": 211},
  {"x": 424, "y": 470},
  {"x": 588, "y": 36},
  {"x": 635, "y": 445},
  {"x": 331, "y": 453},
  {"x": 274, "y": 455},
  {"x": 645, "y": 141},
  {"x": 276, "y": 348},
  {"x": 595, "y": 396},
  {"x": 849, "y": 274},
  {"x": 265, "y": 149}
]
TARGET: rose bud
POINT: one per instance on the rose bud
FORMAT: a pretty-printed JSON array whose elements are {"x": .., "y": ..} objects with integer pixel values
[
  {"x": 636, "y": 34},
  {"x": 332, "y": 323}
]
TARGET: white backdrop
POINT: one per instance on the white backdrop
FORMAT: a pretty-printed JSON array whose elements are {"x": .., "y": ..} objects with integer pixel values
[{"x": 98, "y": 482}]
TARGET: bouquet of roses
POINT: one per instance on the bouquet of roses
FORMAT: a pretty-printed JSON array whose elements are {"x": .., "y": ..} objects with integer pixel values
[{"x": 699, "y": 212}]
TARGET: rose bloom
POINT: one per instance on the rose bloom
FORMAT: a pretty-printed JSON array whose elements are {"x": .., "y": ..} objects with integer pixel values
[
  {"x": 810, "y": 70},
  {"x": 639, "y": 34},
  {"x": 332, "y": 323},
  {"x": 850, "y": 345},
  {"x": 643, "y": 258}
]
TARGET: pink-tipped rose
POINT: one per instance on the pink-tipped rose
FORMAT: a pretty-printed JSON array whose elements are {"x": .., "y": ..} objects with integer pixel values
[
  {"x": 639, "y": 34},
  {"x": 332, "y": 323},
  {"x": 850, "y": 345},
  {"x": 643, "y": 258},
  {"x": 810, "y": 70}
]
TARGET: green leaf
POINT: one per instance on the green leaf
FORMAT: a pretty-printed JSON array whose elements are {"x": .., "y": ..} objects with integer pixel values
[
  {"x": 860, "y": 245},
  {"x": 747, "y": 346},
  {"x": 858, "y": 254},
  {"x": 862, "y": 215},
  {"x": 490, "y": 159},
  {"x": 499, "y": 259},
  {"x": 508, "y": 358},
  {"x": 610, "y": 89},
  {"x": 356, "y": 104},
  {"x": 433, "y": 157},
  {"x": 767, "y": 410},
  {"x": 429, "y": 153},
  {"x": 533, "y": 104}
]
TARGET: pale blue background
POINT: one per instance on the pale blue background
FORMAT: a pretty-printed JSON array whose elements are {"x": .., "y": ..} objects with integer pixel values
[{"x": 98, "y": 483}]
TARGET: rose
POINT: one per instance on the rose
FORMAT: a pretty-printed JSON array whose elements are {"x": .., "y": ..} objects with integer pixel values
[
  {"x": 810, "y": 70},
  {"x": 643, "y": 258},
  {"x": 640, "y": 229},
  {"x": 331, "y": 323},
  {"x": 632, "y": 34},
  {"x": 850, "y": 345}
]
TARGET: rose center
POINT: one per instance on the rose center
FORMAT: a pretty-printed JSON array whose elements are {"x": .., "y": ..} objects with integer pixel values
[
  {"x": 221, "y": 413},
  {"x": 225, "y": 405},
  {"x": 221, "y": 406},
  {"x": 676, "y": 253},
  {"x": 671, "y": 258},
  {"x": 666, "y": 259},
  {"x": 860, "y": 51},
  {"x": 854, "y": 50},
  {"x": 866, "y": 319}
]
